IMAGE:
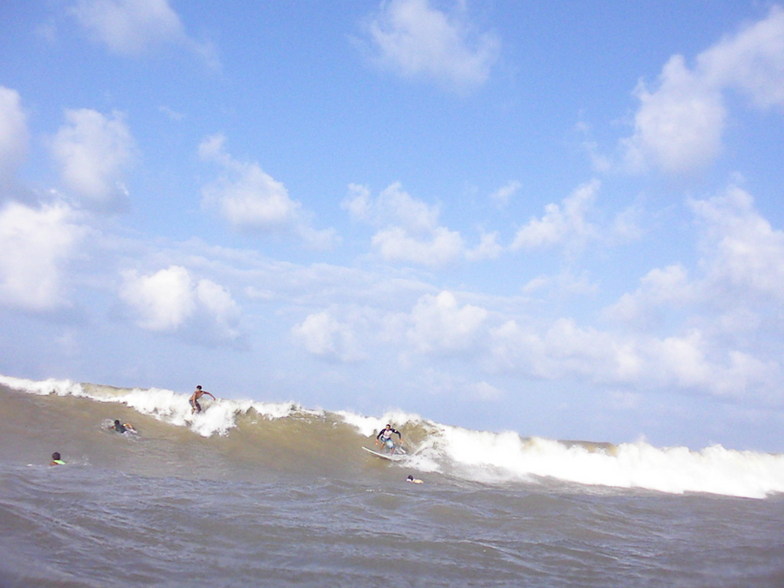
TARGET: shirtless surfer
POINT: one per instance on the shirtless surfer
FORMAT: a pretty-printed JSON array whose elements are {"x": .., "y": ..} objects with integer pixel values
[{"x": 194, "y": 400}]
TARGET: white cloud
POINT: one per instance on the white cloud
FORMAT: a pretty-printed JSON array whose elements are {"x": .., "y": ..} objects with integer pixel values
[
  {"x": 92, "y": 152},
  {"x": 323, "y": 335},
  {"x": 130, "y": 27},
  {"x": 219, "y": 309},
  {"x": 486, "y": 392},
  {"x": 416, "y": 40},
  {"x": 163, "y": 300},
  {"x": 679, "y": 125},
  {"x": 394, "y": 206},
  {"x": 563, "y": 283},
  {"x": 410, "y": 230},
  {"x": 752, "y": 61},
  {"x": 561, "y": 224},
  {"x": 440, "y": 247},
  {"x": 171, "y": 300},
  {"x": 488, "y": 248},
  {"x": 668, "y": 287},
  {"x": 440, "y": 325},
  {"x": 741, "y": 249},
  {"x": 35, "y": 246},
  {"x": 691, "y": 361},
  {"x": 358, "y": 203},
  {"x": 252, "y": 200},
  {"x": 13, "y": 135},
  {"x": 502, "y": 196}
]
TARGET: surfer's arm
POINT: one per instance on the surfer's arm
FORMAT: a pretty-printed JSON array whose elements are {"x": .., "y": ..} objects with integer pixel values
[{"x": 210, "y": 395}]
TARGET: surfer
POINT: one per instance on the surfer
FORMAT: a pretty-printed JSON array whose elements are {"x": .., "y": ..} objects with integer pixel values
[
  {"x": 385, "y": 437},
  {"x": 194, "y": 400},
  {"x": 56, "y": 459},
  {"x": 413, "y": 480},
  {"x": 118, "y": 426}
]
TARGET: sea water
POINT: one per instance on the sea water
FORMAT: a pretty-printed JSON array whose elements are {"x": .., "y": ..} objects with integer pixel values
[{"x": 257, "y": 494}]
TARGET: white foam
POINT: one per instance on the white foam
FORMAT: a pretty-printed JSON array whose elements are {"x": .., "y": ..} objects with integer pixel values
[
  {"x": 218, "y": 417},
  {"x": 493, "y": 457},
  {"x": 367, "y": 426}
]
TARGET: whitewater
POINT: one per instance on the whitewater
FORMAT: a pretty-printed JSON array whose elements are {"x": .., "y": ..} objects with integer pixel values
[{"x": 259, "y": 493}]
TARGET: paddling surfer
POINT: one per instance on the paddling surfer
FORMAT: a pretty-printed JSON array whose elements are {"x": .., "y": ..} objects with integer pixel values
[
  {"x": 56, "y": 459},
  {"x": 194, "y": 400},
  {"x": 121, "y": 427}
]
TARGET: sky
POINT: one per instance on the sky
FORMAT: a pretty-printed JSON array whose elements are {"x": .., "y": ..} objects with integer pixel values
[{"x": 558, "y": 218}]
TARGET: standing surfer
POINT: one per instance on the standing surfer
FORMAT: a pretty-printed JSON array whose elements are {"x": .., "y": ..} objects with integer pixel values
[
  {"x": 385, "y": 437},
  {"x": 194, "y": 400}
]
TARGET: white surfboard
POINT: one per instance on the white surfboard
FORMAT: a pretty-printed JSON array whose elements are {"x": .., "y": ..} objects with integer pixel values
[{"x": 387, "y": 456}]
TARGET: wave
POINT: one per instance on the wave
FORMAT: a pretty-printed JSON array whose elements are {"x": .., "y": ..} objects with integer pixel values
[{"x": 271, "y": 437}]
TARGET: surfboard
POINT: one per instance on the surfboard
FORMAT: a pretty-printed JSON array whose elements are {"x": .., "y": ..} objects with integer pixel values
[{"x": 387, "y": 456}]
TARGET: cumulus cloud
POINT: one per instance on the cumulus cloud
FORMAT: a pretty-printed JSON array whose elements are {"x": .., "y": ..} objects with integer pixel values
[
  {"x": 561, "y": 224},
  {"x": 171, "y": 300},
  {"x": 36, "y": 245},
  {"x": 741, "y": 250},
  {"x": 740, "y": 271},
  {"x": 416, "y": 40},
  {"x": 689, "y": 361},
  {"x": 325, "y": 336},
  {"x": 134, "y": 27},
  {"x": 695, "y": 330},
  {"x": 409, "y": 230},
  {"x": 660, "y": 288},
  {"x": 251, "y": 200},
  {"x": 679, "y": 125},
  {"x": 93, "y": 152},
  {"x": 440, "y": 325},
  {"x": 13, "y": 135}
]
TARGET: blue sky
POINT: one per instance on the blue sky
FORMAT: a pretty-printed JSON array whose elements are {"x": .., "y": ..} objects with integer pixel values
[{"x": 558, "y": 218}]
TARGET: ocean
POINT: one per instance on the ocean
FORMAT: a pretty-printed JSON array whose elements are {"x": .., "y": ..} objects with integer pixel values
[{"x": 249, "y": 493}]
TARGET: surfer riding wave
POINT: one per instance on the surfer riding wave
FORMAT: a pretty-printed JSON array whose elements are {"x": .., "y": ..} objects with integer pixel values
[{"x": 385, "y": 438}]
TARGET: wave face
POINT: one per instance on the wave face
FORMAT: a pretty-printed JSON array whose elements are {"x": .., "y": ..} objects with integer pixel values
[{"x": 245, "y": 439}]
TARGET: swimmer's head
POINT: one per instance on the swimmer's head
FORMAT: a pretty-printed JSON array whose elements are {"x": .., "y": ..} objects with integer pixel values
[{"x": 56, "y": 455}]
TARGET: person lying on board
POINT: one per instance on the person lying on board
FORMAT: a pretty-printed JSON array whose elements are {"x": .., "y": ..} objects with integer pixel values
[
  {"x": 56, "y": 460},
  {"x": 122, "y": 427},
  {"x": 385, "y": 437},
  {"x": 194, "y": 399},
  {"x": 413, "y": 480}
]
